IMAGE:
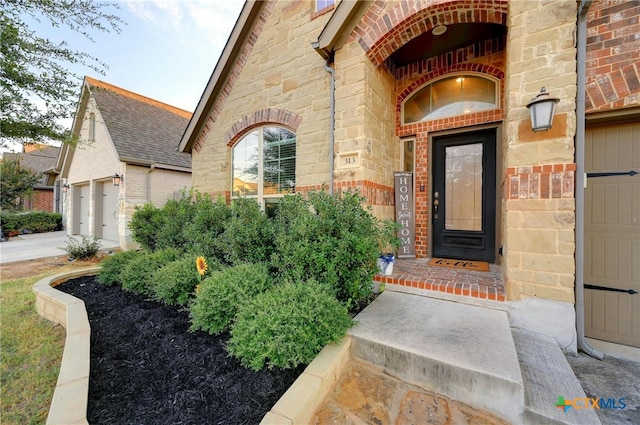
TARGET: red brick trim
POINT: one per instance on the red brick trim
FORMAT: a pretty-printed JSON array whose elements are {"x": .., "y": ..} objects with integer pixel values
[
  {"x": 617, "y": 89},
  {"x": 245, "y": 124},
  {"x": 235, "y": 74},
  {"x": 380, "y": 34},
  {"x": 444, "y": 60},
  {"x": 455, "y": 121},
  {"x": 549, "y": 181},
  {"x": 374, "y": 193}
]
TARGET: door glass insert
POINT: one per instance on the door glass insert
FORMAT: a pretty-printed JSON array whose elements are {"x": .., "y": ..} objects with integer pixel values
[{"x": 463, "y": 187}]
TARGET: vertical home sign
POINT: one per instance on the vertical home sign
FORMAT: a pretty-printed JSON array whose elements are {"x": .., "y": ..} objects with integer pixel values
[{"x": 405, "y": 214}]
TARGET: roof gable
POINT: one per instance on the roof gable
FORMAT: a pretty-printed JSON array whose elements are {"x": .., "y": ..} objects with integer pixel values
[{"x": 142, "y": 129}]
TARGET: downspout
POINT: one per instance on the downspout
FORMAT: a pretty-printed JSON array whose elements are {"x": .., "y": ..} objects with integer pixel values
[
  {"x": 151, "y": 168},
  {"x": 581, "y": 178},
  {"x": 332, "y": 118}
]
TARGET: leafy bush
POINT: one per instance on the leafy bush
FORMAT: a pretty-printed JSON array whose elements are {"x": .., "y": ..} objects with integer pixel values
[
  {"x": 287, "y": 326},
  {"x": 87, "y": 247},
  {"x": 144, "y": 226},
  {"x": 137, "y": 275},
  {"x": 112, "y": 267},
  {"x": 30, "y": 222},
  {"x": 177, "y": 281},
  {"x": 333, "y": 240},
  {"x": 248, "y": 234},
  {"x": 174, "y": 215},
  {"x": 224, "y": 292},
  {"x": 208, "y": 223}
]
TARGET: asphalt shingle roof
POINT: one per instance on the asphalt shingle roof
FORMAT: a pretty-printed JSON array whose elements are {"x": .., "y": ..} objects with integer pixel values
[
  {"x": 141, "y": 128},
  {"x": 39, "y": 159}
]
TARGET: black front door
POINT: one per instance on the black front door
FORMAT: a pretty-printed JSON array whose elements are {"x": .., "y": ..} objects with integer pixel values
[{"x": 464, "y": 196}]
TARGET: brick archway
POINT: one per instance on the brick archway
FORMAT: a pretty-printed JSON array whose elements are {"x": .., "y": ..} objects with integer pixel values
[
  {"x": 380, "y": 34},
  {"x": 247, "y": 123}
]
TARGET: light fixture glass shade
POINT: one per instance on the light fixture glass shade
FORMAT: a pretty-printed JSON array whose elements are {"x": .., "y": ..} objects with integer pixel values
[
  {"x": 542, "y": 107},
  {"x": 65, "y": 188},
  {"x": 116, "y": 179}
]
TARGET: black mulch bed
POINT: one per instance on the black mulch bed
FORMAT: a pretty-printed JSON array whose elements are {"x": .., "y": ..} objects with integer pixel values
[{"x": 147, "y": 368}]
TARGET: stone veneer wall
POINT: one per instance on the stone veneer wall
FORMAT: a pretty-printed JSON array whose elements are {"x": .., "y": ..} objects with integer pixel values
[
  {"x": 278, "y": 79},
  {"x": 538, "y": 204}
]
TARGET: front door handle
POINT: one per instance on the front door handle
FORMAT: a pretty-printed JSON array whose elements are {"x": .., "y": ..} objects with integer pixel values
[{"x": 436, "y": 202}]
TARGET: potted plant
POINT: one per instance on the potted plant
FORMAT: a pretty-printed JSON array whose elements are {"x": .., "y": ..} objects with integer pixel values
[{"x": 388, "y": 245}]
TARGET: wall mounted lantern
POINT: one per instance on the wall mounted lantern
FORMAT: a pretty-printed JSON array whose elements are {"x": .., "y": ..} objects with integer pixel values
[
  {"x": 65, "y": 188},
  {"x": 542, "y": 108},
  {"x": 117, "y": 179}
]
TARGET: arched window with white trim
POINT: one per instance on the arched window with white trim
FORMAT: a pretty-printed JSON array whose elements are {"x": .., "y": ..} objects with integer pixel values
[
  {"x": 450, "y": 96},
  {"x": 264, "y": 165}
]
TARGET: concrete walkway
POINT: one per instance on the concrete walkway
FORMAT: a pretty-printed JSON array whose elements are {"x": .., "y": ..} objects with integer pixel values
[
  {"x": 429, "y": 359},
  {"x": 41, "y": 245}
]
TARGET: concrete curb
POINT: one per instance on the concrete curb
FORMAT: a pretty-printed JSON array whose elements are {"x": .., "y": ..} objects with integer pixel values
[
  {"x": 70, "y": 398},
  {"x": 300, "y": 402}
]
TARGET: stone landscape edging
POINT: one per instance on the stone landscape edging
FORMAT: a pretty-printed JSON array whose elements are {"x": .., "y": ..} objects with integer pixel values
[
  {"x": 70, "y": 397},
  {"x": 302, "y": 399}
]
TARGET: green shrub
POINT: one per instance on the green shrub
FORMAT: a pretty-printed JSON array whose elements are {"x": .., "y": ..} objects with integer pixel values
[
  {"x": 87, "y": 247},
  {"x": 137, "y": 275},
  {"x": 175, "y": 214},
  {"x": 248, "y": 234},
  {"x": 176, "y": 282},
  {"x": 208, "y": 223},
  {"x": 144, "y": 226},
  {"x": 333, "y": 240},
  {"x": 224, "y": 292},
  {"x": 112, "y": 267},
  {"x": 30, "y": 222},
  {"x": 287, "y": 326}
]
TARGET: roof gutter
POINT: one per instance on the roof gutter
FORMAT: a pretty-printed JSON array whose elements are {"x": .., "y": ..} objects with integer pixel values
[
  {"x": 341, "y": 23},
  {"x": 581, "y": 180},
  {"x": 225, "y": 65},
  {"x": 154, "y": 164}
]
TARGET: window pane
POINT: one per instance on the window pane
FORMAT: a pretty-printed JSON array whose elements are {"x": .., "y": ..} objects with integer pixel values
[
  {"x": 245, "y": 166},
  {"x": 463, "y": 187},
  {"x": 279, "y": 161},
  {"x": 451, "y": 96},
  {"x": 323, "y": 4}
]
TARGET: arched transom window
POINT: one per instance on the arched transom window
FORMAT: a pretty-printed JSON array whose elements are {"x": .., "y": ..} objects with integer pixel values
[
  {"x": 264, "y": 165},
  {"x": 451, "y": 96}
]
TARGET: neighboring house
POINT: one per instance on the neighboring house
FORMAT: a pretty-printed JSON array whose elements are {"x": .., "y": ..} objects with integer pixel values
[
  {"x": 124, "y": 133},
  {"x": 439, "y": 90},
  {"x": 40, "y": 159}
]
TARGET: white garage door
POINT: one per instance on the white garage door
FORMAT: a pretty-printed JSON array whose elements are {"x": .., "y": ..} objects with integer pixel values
[
  {"x": 83, "y": 215},
  {"x": 109, "y": 211},
  {"x": 612, "y": 234}
]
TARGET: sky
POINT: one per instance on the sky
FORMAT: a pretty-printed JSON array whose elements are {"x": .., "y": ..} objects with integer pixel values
[{"x": 167, "y": 49}]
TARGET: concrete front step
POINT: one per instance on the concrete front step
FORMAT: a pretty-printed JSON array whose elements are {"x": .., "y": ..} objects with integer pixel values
[
  {"x": 547, "y": 375},
  {"x": 462, "y": 351}
]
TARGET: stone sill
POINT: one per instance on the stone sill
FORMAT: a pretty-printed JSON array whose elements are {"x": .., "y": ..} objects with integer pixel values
[{"x": 70, "y": 397}]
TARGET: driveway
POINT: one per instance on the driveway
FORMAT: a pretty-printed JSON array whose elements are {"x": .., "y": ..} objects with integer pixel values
[{"x": 41, "y": 245}]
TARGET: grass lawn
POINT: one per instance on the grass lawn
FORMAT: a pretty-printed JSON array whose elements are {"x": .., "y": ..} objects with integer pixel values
[{"x": 30, "y": 346}]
